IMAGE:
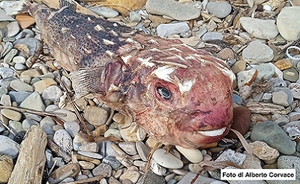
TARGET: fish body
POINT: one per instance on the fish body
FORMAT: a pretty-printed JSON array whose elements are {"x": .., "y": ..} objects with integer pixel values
[{"x": 178, "y": 94}]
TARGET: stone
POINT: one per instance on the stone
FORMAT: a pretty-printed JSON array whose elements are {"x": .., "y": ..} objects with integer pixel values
[
  {"x": 290, "y": 74},
  {"x": 86, "y": 165},
  {"x": 193, "y": 155},
  {"x": 142, "y": 150},
  {"x": 70, "y": 116},
  {"x": 90, "y": 147},
  {"x": 9, "y": 56},
  {"x": 241, "y": 121},
  {"x": 52, "y": 93},
  {"x": 6, "y": 167},
  {"x": 165, "y": 30},
  {"x": 128, "y": 147},
  {"x": 20, "y": 67},
  {"x": 287, "y": 23},
  {"x": 13, "y": 29},
  {"x": 130, "y": 175},
  {"x": 179, "y": 11},
  {"x": 19, "y": 85},
  {"x": 16, "y": 126},
  {"x": 265, "y": 71},
  {"x": 11, "y": 114},
  {"x": 27, "y": 123},
  {"x": 257, "y": 52},
  {"x": 231, "y": 155},
  {"x": 239, "y": 66},
  {"x": 9, "y": 147},
  {"x": 246, "y": 77},
  {"x": 90, "y": 154},
  {"x": 72, "y": 127},
  {"x": 69, "y": 170},
  {"x": 166, "y": 159},
  {"x": 113, "y": 132},
  {"x": 156, "y": 168},
  {"x": 102, "y": 169},
  {"x": 132, "y": 132},
  {"x": 274, "y": 136},
  {"x": 151, "y": 178},
  {"x": 220, "y": 9},
  {"x": 19, "y": 96},
  {"x": 6, "y": 72},
  {"x": 104, "y": 11},
  {"x": 63, "y": 139},
  {"x": 47, "y": 124},
  {"x": 112, "y": 161},
  {"x": 134, "y": 16},
  {"x": 190, "y": 177},
  {"x": 226, "y": 54},
  {"x": 95, "y": 115},
  {"x": 79, "y": 140},
  {"x": 4, "y": 17},
  {"x": 283, "y": 64},
  {"x": 212, "y": 36},
  {"x": 282, "y": 96},
  {"x": 289, "y": 162},
  {"x": 259, "y": 28},
  {"x": 264, "y": 152},
  {"x": 295, "y": 89},
  {"x": 34, "y": 102},
  {"x": 41, "y": 85},
  {"x": 31, "y": 73},
  {"x": 32, "y": 46}
]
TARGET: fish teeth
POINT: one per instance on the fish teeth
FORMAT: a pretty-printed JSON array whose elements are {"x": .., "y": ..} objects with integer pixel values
[{"x": 212, "y": 133}]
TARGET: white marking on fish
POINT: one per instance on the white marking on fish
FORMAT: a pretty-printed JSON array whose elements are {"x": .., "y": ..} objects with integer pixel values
[
  {"x": 173, "y": 48},
  {"x": 164, "y": 73},
  {"x": 113, "y": 32},
  {"x": 108, "y": 42},
  {"x": 213, "y": 133},
  {"x": 190, "y": 57},
  {"x": 153, "y": 41},
  {"x": 186, "y": 86},
  {"x": 110, "y": 53},
  {"x": 146, "y": 61},
  {"x": 126, "y": 58},
  {"x": 64, "y": 29},
  {"x": 98, "y": 28}
]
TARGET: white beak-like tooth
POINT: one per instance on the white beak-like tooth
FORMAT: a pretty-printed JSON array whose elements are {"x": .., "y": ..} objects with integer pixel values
[{"x": 213, "y": 133}]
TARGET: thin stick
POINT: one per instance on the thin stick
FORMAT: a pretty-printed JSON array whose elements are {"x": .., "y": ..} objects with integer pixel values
[
  {"x": 41, "y": 113},
  {"x": 96, "y": 178}
]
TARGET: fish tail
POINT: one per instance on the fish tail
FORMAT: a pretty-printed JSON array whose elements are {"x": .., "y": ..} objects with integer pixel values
[{"x": 28, "y": 7}]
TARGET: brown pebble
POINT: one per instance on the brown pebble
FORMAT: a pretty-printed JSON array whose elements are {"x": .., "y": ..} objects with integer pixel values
[
  {"x": 238, "y": 66},
  {"x": 283, "y": 64},
  {"x": 226, "y": 54},
  {"x": 241, "y": 121}
]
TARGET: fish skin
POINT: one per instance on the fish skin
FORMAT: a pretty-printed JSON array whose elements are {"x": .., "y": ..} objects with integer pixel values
[{"x": 125, "y": 69}]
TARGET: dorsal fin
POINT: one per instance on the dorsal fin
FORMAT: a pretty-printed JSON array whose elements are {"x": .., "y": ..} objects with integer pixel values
[{"x": 67, "y": 3}]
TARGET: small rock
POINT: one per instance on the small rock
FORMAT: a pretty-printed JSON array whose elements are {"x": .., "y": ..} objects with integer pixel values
[
  {"x": 19, "y": 96},
  {"x": 193, "y": 155},
  {"x": 166, "y": 159},
  {"x": 259, "y": 28},
  {"x": 112, "y": 180},
  {"x": 20, "y": 67},
  {"x": 265, "y": 71},
  {"x": 6, "y": 168},
  {"x": 226, "y": 54},
  {"x": 95, "y": 115},
  {"x": 113, "y": 132},
  {"x": 16, "y": 126},
  {"x": 41, "y": 85},
  {"x": 231, "y": 155},
  {"x": 112, "y": 161},
  {"x": 90, "y": 154},
  {"x": 142, "y": 150},
  {"x": 287, "y": 23},
  {"x": 11, "y": 114},
  {"x": 70, "y": 116},
  {"x": 47, "y": 124},
  {"x": 132, "y": 133},
  {"x": 282, "y": 96},
  {"x": 70, "y": 170},
  {"x": 157, "y": 169},
  {"x": 13, "y": 29},
  {"x": 52, "y": 93},
  {"x": 31, "y": 73},
  {"x": 32, "y": 45},
  {"x": 195, "y": 168},
  {"x": 241, "y": 121},
  {"x": 19, "y": 85},
  {"x": 264, "y": 152},
  {"x": 90, "y": 147},
  {"x": 245, "y": 92},
  {"x": 6, "y": 72},
  {"x": 190, "y": 177},
  {"x": 179, "y": 11},
  {"x": 212, "y": 36},
  {"x": 135, "y": 16},
  {"x": 246, "y": 77},
  {"x": 33, "y": 102},
  {"x": 79, "y": 140},
  {"x": 290, "y": 74},
  {"x": 165, "y": 30},
  {"x": 72, "y": 127},
  {"x": 9, "y": 147},
  {"x": 86, "y": 165},
  {"x": 151, "y": 178},
  {"x": 289, "y": 162},
  {"x": 257, "y": 52},
  {"x": 104, "y": 11},
  {"x": 10, "y": 55},
  {"x": 128, "y": 147},
  {"x": 252, "y": 162},
  {"x": 102, "y": 169},
  {"x": 274, "y": 136},
  {"x": 220, "y": 9},
  {"x": 283, "y": 64},
  {"x": 4, "y": 17},
  {"x": 295, "y": 89},
  {"x": 130, "y": 175},
  {"x": 63, "y": 139}
]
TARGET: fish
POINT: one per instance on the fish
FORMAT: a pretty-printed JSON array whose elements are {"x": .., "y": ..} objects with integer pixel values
[{"x": 179, "y": 94}]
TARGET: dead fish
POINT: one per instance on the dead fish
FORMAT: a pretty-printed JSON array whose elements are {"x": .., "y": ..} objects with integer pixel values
[{"x": 178, "y": 94}]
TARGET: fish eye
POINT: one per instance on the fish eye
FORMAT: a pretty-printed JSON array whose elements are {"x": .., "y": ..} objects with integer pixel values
[{"x": 164, "y": 93}]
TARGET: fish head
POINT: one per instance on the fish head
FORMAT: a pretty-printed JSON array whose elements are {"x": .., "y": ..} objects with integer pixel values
[{"x": 188, "y": 103}]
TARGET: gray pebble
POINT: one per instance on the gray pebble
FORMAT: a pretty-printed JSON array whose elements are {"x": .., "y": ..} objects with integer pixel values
[
  {"x": 9, "y": 56},
  {"x": 6, "y": 72},
  {"x": 219, "y": 8},
  {"x": 128, "y": 147},
  {"x": 265, "y": 70},
  {"x": 212, "y": 36},
  {"x": 151, "y": 178},
  {"x": 16, "y": 126},
  {"x": 135, "y": 16},
  {"x": 20, "y": 66},
  {"x": 52, "y": 93},
  {"x": 106, "y": 149},
  {"x": 290, "y": 74},
  {"x": 47, "y": 124},
  {"x": 102, "y": 169},
  {"x": 257, "y": 52},
  {"x": 72, "y": 127},
  {"x": 295, "y": 89},
  {"x": 34, "y": 102},
  {"x": 142, "y": 150},
  {"x": 3, "y": 91},
  {"x": 13, "y": 28},
  {"x": 165, "y": 30},
  {"x": 112, "y": 161},
  {"x": 19, "y": 96},
  {"x": 5, "y": 17},
  {"x": 19, "y": 85},
  {"x": 289, "y": 162},
  {"x": 33, "y": 44},
  {"x": 25, "y": 33},
  {"x": 7, "y": 47},
  {"x": 49, "y": 158},
  {"x": 9, "y": 147},
  {"x": 274, "y": 136},
  {"x": 288, "y": 93},
  {"x": 105, "y": 12},
  {"x": 27, "y": 123},
  {"x": 63, "y": 139}
]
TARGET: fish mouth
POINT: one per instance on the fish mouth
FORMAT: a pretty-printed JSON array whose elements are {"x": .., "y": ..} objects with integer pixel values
[{"x": 212, "y": 133}]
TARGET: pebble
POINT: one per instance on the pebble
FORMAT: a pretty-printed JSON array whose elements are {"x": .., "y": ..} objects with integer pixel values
[
  {"x": 90, "y": 154},
  {"x": 265, "y": 71},
  {"x": 113, "y": 132},
  {"x": 16, "y": 126},
  {"x": 27, "y": 123},
  {"x": 287, "y": 23},
  {"x": 69, "y": 170},
  {"x": 157, "y": 169},
  {"x": 246, "y": 77},
  {"x": 193, "y": 155},
  {"x": 283, "y": 64},
  {"x": 6, "y": 167},
  {"x": 220, "y": 9},
  {"x": 95, "y": 115},
  {"x": 290, "y": 74},
  {"x": 132, "y": 133},
  {"x": 295, "y": 89},
  {"x": 289, "y": 162},
  {"x": 112, "y": 161},
  {"x": 130, "y": 175},
  {"x": 34, "y": 102},
  {"x": 41, "y": 85},
  {"x": 257, "y": 52},
  {"x": 212, "y": 36},
  {"x": 142, "y": 150},
  {"x": 63, "y": 139},
  {"x": 70, "y": 116},
  {"x": 282, "y": 96},
  {"x": 72, "y": 127},
  {"x": 165, "y": 30},
  {"x": 31, "y": 73},
  {"x": 167, "y": 159},
  {"x": 9, "y": 147},
  {"x": 78, "y": 141},
  {"x": 102, "y": 169},
  {"x": 128, "y": 147},
  {"x": 6, "y": 72},
  {"x": 264, "y": 152},
  {"x": 274, "y": 136},
  {"x": 20, "y": 67},
  {"x": 179, "y": 11},
  {"x": 52, "y": 93},
  {"x": 135, "y": 16},
  {"x": 32, "y": 45},
  {"x": 10, "y": 55},
  {"x": 11, "y": 114},
  {"x": 104, "y": 11},
  {"x": 190, "y": 177},
  {"x": 231, "y": 155},
  {"x": 13, "y": 29},
  {"x": 86, "y": 165},
  {"x": 5, "y": 17},
  {"x": 90, "y": 147},
  {"x": 19, "y": 96},
  {"x": 259, "y": 28},
  {"x": 19, "y": 85},
  {"x": 151, "y": 178}
]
